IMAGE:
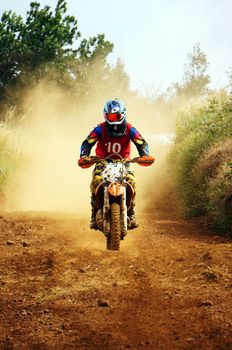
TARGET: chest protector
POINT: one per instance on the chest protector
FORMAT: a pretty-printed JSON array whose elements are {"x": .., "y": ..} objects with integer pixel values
[{"x": 108, "y": 145}]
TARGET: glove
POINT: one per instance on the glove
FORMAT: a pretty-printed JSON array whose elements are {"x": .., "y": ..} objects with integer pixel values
[
  {"x": 85, "y": 162},
  {"x": 146, "y": 160}
]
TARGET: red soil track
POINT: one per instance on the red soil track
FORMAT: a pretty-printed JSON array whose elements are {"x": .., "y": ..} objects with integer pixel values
[{"x": 169, "y": 287}]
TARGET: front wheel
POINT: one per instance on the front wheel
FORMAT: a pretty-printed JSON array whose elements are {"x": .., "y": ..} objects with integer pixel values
[{"x": 113, "y": 241}]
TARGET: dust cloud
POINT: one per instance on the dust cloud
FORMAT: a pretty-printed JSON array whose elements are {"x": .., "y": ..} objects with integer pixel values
[
  {"x": 50, "y": 135},
  {"x": 50, "y": 138}
]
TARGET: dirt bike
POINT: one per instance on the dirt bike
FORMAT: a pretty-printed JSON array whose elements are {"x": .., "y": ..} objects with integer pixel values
[{"x": 114, "y": 197}]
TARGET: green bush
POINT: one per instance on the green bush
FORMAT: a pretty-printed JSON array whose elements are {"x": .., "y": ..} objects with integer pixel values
[
  {"x": 219, "y": 195},
  {"x": 200, "y": 158}
]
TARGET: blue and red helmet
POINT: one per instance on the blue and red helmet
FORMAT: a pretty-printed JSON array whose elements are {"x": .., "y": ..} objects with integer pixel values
[{"x": 114, "y": 112}]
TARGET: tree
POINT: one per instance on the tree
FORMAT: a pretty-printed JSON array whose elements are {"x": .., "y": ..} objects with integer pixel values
[
  {"x": 43, "y": 38},
  {"x": 10, "y": 50},
  {"x": 229, "y": 76},
  {"x": 195, "y": 78},
  {"x": 43, "y": 45}
]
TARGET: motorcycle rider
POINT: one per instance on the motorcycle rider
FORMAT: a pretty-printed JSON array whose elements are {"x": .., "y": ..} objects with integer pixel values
[{"x": 114, "y": 135}]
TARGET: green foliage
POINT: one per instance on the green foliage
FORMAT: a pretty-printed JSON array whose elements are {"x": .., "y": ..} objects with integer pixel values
[
  {"x": 219, "y": 198},
  {"x": 44, "y": 37},
  {"x": 94, "y": 48},
  {"x": 41, "y": 47},
  {"x": 195, "y": 78},
  {"x": 202, "y": 148}
]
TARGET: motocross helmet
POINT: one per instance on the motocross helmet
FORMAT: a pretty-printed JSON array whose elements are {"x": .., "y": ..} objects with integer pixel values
[{"x": 115, "y": 117}]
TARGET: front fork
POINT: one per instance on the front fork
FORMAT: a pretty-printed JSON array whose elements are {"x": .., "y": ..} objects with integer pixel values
[
  {"x": 106, "y": 212},
  {"x": 123, "y": 213}
]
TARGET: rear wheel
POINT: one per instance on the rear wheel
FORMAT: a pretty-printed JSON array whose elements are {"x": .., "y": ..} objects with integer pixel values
[{"x": 113, "y": 241}]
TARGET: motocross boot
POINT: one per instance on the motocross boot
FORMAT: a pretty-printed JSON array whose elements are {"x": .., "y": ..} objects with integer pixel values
[
  {"x": 131, "y": 214},
  {"x": 93, "y": 223}
]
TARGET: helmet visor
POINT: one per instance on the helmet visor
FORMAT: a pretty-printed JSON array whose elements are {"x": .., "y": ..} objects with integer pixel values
[{"x": 114, "y": 117}]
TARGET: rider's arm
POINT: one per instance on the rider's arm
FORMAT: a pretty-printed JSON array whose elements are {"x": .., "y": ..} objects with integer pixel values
[
  {"x": 90, "y": 141},
  {"x": 140, "y": 143}
]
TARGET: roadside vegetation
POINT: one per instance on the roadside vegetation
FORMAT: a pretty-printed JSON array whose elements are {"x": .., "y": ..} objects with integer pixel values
[
  {"x": 199, "y": 166},
  {"x": 202, "y": 155}
]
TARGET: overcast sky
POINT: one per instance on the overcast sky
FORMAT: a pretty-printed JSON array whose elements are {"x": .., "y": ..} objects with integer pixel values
[{"x": 153, "y": 37}]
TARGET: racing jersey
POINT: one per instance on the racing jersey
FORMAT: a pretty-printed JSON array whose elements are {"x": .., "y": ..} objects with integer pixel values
[{"x": 107, "y": 145}]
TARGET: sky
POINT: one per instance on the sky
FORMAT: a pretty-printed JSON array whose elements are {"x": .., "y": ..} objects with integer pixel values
[{"x": 153, "y": 37}]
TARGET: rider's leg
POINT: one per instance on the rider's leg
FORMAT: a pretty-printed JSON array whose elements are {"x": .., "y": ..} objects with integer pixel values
[
  {"x": 93, "y": 223},
  {"x": 131, "y": 214},
  {"x": 131, "y": 210},
  {"x": 96, "y": 181}
]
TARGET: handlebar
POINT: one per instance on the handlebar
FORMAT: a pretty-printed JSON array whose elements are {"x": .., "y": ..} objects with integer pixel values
[{"x": 89, "y": 161}]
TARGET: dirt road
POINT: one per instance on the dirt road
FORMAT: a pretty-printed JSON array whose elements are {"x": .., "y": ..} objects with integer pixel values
[{"x": 170, "y": 286}]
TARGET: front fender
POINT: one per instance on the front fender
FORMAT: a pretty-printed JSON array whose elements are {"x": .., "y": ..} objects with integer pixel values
[{"x": 115, "y": 189}]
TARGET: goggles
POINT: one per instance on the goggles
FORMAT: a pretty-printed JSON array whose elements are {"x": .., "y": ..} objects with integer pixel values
[{"x": 114, "y": 117}]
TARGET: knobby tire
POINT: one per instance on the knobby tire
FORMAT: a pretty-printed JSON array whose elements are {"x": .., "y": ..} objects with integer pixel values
[{"x": 115, "y": 230}]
